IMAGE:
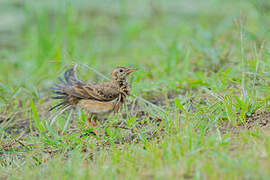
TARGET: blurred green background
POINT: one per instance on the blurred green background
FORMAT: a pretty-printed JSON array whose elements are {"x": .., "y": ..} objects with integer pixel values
[
  {"x": 154, "y": 35},
  {"x": 191, "y": 52}
]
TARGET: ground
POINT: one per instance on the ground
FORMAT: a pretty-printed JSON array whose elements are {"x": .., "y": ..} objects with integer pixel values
[{"x": 199, "y": 104}]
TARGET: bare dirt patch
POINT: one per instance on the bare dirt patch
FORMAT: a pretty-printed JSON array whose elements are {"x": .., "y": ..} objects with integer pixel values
[{"x": 258, "y": 118}]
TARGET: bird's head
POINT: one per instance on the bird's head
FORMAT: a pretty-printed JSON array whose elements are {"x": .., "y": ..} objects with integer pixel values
[{"x": 119, "y": 74}]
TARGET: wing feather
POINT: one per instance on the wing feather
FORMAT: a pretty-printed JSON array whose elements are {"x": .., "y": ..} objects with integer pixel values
[
  {"x": 71, "y": 90},
  {"x": 100, "y": 92}
]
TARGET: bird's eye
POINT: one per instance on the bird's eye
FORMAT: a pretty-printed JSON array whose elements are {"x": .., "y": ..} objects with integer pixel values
[{"x": 121, "y": 70}]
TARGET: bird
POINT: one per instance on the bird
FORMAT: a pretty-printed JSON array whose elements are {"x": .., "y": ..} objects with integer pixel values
[{"x": 98, "y": 99}]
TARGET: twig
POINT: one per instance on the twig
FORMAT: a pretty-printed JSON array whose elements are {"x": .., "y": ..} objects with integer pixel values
[
  {"x": 258, "y": 58},
  {"x": 133, "y": 105},
  {"x": 60, "y": 112},
  {"x": 26, "y": 147},
  {"x": 241, "y": 28},
  {"x": 93, "y": 70},
  {"x": 147, "y": 102},
  {"x": 14, "y": 141},
  {"x": 121, "y": 127},
  {"x": 212, "y": 94}
]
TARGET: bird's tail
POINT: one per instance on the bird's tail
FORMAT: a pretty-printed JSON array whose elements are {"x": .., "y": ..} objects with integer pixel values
[{"x": 64, "y": 90}]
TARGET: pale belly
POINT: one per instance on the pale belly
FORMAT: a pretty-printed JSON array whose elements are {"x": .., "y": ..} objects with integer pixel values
[{"x": 98, "y": 107}]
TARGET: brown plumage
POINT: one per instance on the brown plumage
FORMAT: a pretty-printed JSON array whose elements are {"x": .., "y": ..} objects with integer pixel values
[{"x": 96, "y": 98}]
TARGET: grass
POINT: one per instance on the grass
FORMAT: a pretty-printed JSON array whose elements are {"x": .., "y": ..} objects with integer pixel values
[{"x": 204, "y": 63}]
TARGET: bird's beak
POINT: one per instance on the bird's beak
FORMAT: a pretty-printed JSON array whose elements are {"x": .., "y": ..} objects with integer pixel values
[{"x": 131, "y": 70}]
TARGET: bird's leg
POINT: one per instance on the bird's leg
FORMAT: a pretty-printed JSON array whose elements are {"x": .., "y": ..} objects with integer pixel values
[
  {"x": 92, "y": 124},
  {"x": 96, "y": 124}
]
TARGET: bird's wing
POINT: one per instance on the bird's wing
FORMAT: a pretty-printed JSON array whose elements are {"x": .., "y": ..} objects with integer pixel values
[
  {"x": 101, "y": 92},
  {"x": 70, "y": 90},
  {"x": 105, "y": 91}
]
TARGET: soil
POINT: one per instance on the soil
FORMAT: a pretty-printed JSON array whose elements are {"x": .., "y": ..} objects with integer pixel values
[
  {"x": 261, "y": 118},
  {"x": 147, "y": 122}
]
